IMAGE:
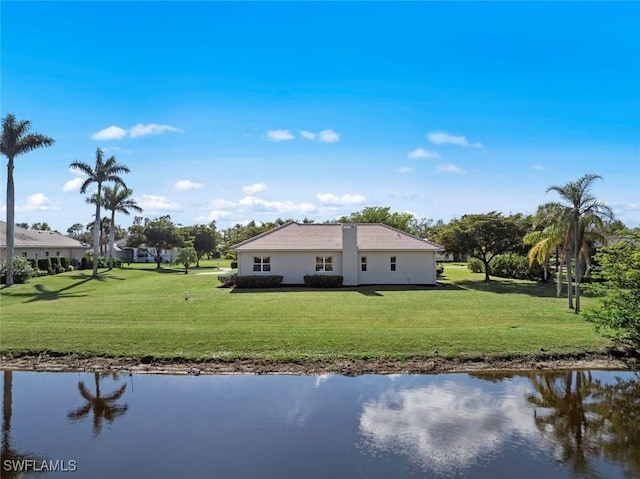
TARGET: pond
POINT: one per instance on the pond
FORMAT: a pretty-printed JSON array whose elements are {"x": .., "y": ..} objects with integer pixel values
[{"x": 538, "y": 424}]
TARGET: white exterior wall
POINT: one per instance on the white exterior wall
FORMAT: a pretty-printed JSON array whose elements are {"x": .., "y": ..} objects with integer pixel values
[
  {"x": 37, "y": 252},
  {"x": 412, "y": 267},
  {"x": 293, "y": 265}
]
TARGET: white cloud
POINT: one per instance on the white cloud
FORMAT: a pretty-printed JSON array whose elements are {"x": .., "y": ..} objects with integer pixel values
[
  {"x": 422, "y": 153},
  {"x": 38, "y": 202},
  {"x": 254, "y": 188},
  {"x": 405, "y": 169},
  {"x": 328, "y": 136},
  {"x": 73, "y": 185},
  {"x": 186, "y": 185},
  {"x": 110, "y": 133},
  {"x": 279, "y": 207},
  {"x": 117, "y": 133},
  {"x": 150, "y": 129},
  {"x": 279, "y": 135},
  {"x": 214, "y": 215},
  {"x": 308, "y": 135},
  {"x": 538, "y": 167},
  {"x": 449, "y": 168},
  {"x": 346, "y": 199},
  {"x": 444, "y": 138},
  {"x": 158, "y": 203}
]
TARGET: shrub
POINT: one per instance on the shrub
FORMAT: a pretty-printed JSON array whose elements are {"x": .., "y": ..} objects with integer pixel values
[
  {"x": 33, "y": 263},
  {"x": 227, "y": 280},
  {"x": 439, "y": 269},
  {"x": 515, "y": 266},
  {"x": 70, "y": 268},
  {"x": 55, "y": 265},
  {"x": 22, "y": 271},
  {"x": 45, "y": 265},
  {"x": 234, "y": 265},
  {"x": 40, "y": 272},
  {"x": 85, "y": 263},
  {"x": 475, "y": 265},
  {"x": 255, "y": 281},
  {"x": 64, "y": 262},
  {"x": 323, "y": 280}
]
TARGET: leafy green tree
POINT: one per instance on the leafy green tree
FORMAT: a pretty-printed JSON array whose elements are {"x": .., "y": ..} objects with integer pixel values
[
  {"x": 41, "y": 226},
  {"x": 16, "y": 140},
  {"x": 577, "y": 196},
  {"x": 101, "y": 173},
  {"x": 23, "y": 225},
  {"x": 618, "y": 313},
  {"x": 186, "y": 256},
  {"x": 202, "y": 238},
  {"x": 377, "y": 214},
  {"x": 160, "y": 233},
  {"x": 117, "y": 199},
  {"x": 482, "y": 236}
]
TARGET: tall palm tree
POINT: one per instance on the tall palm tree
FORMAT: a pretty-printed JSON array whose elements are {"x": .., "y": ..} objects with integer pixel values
[
  {"x": 117, "y": 200},
  {"x": 102, "y": 172},
  {"x": 16, "y": 140},
  {"x": 577, "y": 196}
]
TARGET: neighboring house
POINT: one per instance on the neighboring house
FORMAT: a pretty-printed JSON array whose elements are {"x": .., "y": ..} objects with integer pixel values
[
  {"x": 141, "y": 254},
  {"x": 41, "y": 244},
  {"x": 362, "y": 253}
]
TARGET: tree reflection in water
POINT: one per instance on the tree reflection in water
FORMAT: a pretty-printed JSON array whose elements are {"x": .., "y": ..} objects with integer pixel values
[
  {"x": 586, "y": 418},
  {"x": 8, "y": 453},
  {"x": 103, "y": 407}
]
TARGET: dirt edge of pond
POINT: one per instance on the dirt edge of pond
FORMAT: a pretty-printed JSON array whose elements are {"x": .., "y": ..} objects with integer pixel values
[{"x": 56, "y": 362}]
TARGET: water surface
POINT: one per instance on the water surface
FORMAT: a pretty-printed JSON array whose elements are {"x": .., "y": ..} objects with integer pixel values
[{"x": 552, "y": 425}]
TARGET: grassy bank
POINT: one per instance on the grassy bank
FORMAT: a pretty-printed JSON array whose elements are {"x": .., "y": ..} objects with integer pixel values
[{"x": 140, "y": 312}]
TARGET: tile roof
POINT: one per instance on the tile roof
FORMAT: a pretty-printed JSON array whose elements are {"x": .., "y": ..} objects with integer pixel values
[
  {"x": 311, "y": 236},
  {"x": 25, "y": 238}
]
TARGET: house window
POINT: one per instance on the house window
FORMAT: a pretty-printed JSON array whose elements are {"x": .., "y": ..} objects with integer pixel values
[
  {"x": 262, "y": 263},
  {"x": 324, "y": 263},
  {"x": 57, "y": 253},
  {"x": 24, "y": 254},
  {"x": 393, "y": 263},
  {"x": 363, "y": 263},
  {"x": 46, "y": 254}
]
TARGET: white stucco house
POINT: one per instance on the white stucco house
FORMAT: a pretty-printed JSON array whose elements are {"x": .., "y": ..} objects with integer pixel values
[
  {"x": 362, "y": 253},
  {"x": 41, "y": 244}
]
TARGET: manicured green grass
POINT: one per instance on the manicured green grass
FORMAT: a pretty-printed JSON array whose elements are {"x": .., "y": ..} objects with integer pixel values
[{"x": 137, "y": 311}]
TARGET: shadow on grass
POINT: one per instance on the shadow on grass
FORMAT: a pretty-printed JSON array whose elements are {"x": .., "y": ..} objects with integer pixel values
[
  {"x": 512, "y": 286},
  {"x": 41, "y": 293},
  {"x": 372, "y": 290}
]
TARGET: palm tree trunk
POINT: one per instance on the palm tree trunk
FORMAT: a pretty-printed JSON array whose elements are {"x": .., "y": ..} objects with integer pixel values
[
  {"x": 96, "y": 237},
  {"x": 112, "y": 238},
  {"x": 11, "y": 222},
  {"x": 569, "y": 278},
  {"x": 559, "y": 278},
  {"x": 576, "y": 253}
]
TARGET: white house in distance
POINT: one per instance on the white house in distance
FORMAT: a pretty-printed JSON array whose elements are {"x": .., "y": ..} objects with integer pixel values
[
  {"x": 41, "y": 244},
  {"x": 363, "y": 253}
]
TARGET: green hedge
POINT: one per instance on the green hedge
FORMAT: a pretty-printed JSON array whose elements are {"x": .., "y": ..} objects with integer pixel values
[
  {"x": 22, "y": 271},
  {"x": 266, "y": 281},
  {"x": 45, "y": 265},
  {"x": 323, "y": 280},
  {"x": 227, "y": 280}
]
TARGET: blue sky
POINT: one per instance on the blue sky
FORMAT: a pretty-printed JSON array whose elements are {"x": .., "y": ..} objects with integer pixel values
[{"x": 239, "y": 111}]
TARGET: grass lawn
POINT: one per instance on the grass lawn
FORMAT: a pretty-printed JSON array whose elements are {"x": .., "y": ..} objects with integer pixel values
[{"x": 137, "y": 311}]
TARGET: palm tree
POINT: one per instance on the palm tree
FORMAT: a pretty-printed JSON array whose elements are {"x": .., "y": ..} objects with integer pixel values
[
  {"x": 103, "y": 407},
  {"x": 102, "y": 172},
  {"x": 581, "y": 203},
  {"x": 117, "y": 200},
  {"x": 16, "y": 140}
]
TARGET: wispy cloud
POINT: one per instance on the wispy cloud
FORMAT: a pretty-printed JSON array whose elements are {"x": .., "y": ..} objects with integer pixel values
[
  {"x": 187, "y": 185},
  {"x": 254, "y": 188},
  {"x": 422, "y": 153},
  {"x": 157, "y": 203},
  {"x": 345, "y": 199},
  {"x": 328, "y": 136},
  {"x": 308, "y": 135},
  {"x": 279, "y": 135},
  {"x": 538, "y": 167},
  {"x": 73, "y": 185},
  {"x": 279, "y": 207},
  {"x": 405, "y": 169},
  {"x": 37, "y": 202},
  {"x": 444, "y": 138},
  {"x": 324, "y": 136},
  {"x": 449, "y": 168},
  {"x": 117, "y": 133}
]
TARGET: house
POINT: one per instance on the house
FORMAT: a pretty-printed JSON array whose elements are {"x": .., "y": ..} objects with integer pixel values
[
  {"x": 41, "y": 244},
  {"x": 361, "y": 253},
  {"x": 141, "y": 254}
]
